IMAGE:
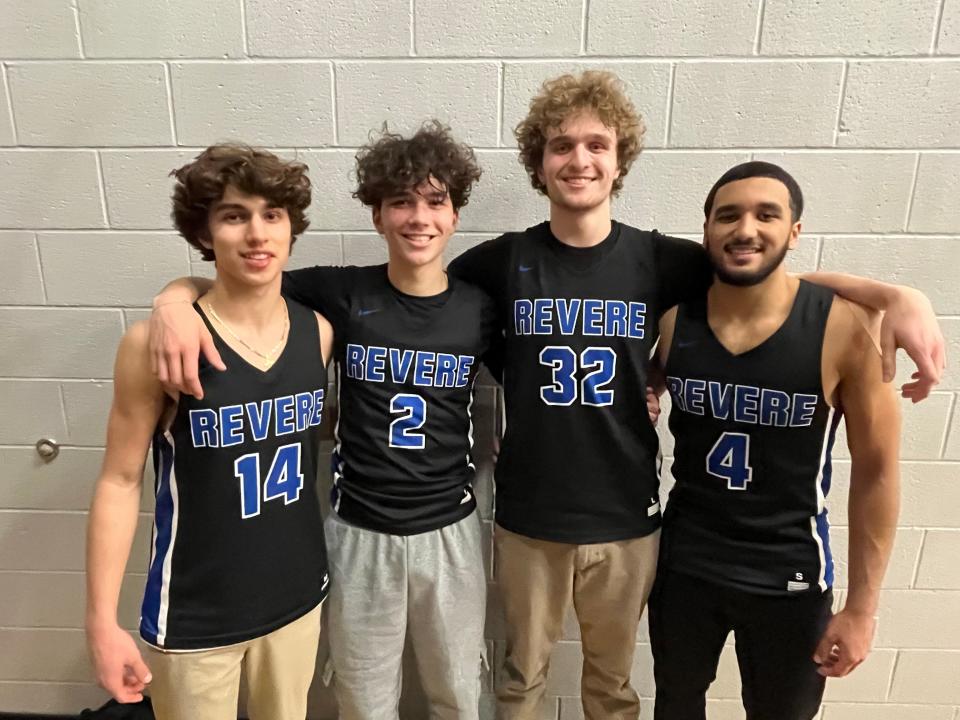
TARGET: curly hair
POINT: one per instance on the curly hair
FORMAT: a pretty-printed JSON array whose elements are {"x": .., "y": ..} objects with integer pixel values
[
  {"x": 596, "y": 91},
  {"x": 202, "y": 182},
  {"x": 392, "y": 164}
]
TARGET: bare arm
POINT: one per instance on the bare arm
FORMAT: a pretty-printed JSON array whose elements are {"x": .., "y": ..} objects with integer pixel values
[
  {"x": 138, "y": 402},
  {"x": 873, "y": 435},
  {"x": 909, "y": 322},
  {"x": 656, "y": 380},
  {"x": 178, "y": 336}
]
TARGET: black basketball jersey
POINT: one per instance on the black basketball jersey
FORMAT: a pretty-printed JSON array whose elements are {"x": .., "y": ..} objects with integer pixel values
[
  {"x": 752, "y": 458},
  {"x": 238, "y": 548},
  {"x": 406, "y": 367},
  {"x": 578, "y": 462}
]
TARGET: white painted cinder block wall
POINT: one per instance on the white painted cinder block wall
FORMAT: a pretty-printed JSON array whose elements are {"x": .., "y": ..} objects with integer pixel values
[{"x": 101, "y": 98}]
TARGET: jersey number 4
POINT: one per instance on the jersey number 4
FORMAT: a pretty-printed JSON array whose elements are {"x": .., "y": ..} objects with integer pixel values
[
  {"x": 599, "y": 365},
  {"x": 284, "y": 479},
  {"x": 729, "y": 459}
]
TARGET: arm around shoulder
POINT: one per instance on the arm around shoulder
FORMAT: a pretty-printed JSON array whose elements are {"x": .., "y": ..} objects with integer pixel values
[
  {"x": 909, "y": 322},
  {"x": 177, "y": 336}
]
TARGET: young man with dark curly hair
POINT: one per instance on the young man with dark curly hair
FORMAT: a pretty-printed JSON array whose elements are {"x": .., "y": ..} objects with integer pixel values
[
  {"x": 404, "y": 537},
  {"x": 577, "y": 479},
  {"x": 238, "y": 564}
]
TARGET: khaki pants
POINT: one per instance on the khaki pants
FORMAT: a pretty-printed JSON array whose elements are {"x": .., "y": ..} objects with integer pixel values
[
  {"x": 205, "y": 684},
  {"x": 608, "y": 584}
]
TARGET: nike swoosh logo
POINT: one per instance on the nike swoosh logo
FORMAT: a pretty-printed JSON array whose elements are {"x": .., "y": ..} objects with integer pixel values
[
  {"x": 525, "y": 268},
  {"x": 361, "y": 313}
]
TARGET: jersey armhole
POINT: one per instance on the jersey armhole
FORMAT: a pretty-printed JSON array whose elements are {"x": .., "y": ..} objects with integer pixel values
[
  {"x": 851, "y": 328},
  {"x": 668, "y": 319},
  {"x": 324, "y": 327},
  {"x": 171, "y": 403}
]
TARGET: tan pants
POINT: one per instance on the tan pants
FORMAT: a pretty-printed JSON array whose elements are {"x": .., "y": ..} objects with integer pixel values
[
  {"x": 608, "y": 584},
  {"x": 205, "y": 684}
]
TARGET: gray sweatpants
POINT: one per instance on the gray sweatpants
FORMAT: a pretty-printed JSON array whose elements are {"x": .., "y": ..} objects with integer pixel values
[{"x": 382, "y": 586}]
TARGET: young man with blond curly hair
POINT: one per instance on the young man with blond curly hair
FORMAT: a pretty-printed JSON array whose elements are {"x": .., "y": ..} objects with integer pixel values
[{"x": 579, "y": 298}]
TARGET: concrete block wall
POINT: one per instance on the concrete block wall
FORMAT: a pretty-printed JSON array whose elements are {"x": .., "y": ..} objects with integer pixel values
[{"x": 99, "y": 99}]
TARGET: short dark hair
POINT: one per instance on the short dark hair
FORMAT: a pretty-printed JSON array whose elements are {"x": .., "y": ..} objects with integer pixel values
[
  {"x": 200, "y": 184},
  {"x": 758, "y": 168},
  {"x": 392, "y": 165}
]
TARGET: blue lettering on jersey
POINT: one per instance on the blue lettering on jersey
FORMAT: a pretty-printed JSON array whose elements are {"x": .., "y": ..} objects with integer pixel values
[
  {"x": 259, "y": 419},
  {"x": 567, "y": 312},
  {"x": 303, "y": 402},
  {"x": 234, "y": 424},
  {"x": 376, "y": 363},
  {"x": 284, "y": 417},
  {"x": 446, "y": 373},
  {"x": 542, "y": 320},
  {"x": 523, "y": 317},
  {"x": 675, "y": 387},
  {"x": 721, "y": 399},
  {"x": 745, "y": 400},
  {"x": 231, "y": 425},
  {"x": 803, "y": 410},
  {"x": 421, "y": 368},
  {"x": 615, "y": 324},
  {"x": 589, "y": 317},
  {"x": 693, "y": 395},
  {"x": 203, "y": 428},
  {"x": 354, "y": 362},
  {"x": 400, "y": 362},
  {"x": 774, "y": 408},
  {"x": 747, "y": 404},
  {"x": 592, "y": 317}
]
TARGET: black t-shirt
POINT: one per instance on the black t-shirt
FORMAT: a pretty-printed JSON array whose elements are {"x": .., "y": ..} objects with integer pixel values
[
  {"x": 752, "y": 458},
  {"x": 578, "y": 461},
  {"x": 238, "y": 547},
  {"x": 406, "y": 367}
]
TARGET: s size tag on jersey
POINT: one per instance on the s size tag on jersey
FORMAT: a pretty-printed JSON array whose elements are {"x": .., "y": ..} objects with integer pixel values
[{"x": 794, "y": 586}]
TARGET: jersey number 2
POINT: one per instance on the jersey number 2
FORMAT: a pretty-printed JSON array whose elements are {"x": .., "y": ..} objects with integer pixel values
[
  {"x": 729, "y": 459},
  {"x": 284, "y": 479},
  {"x": 599, "y": 364},
  {"x": 413, "y": 414}
]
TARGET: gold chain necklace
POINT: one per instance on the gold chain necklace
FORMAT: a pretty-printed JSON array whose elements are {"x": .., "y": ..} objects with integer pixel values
[{"x": 266, "y": 357}]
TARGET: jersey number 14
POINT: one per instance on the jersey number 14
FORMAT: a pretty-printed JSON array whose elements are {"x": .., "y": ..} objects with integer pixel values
[{"x": 284, "y": 479}]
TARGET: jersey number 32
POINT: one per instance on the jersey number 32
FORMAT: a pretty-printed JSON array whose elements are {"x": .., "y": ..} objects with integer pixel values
[{"x": 595, "y": 366}]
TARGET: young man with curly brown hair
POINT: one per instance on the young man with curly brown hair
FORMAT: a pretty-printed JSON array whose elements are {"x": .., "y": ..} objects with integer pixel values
[
  {"x": 404, "y": 537},
  {"x": 238, "y": 564},
  {"x": 577, "y": 479}
]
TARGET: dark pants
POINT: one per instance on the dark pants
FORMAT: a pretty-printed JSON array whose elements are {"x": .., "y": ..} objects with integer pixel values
[{"x": 775, "y": 640}]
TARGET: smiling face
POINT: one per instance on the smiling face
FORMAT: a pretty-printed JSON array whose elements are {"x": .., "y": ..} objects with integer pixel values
[
  {"x": 250, "y": 238},
  {"x": 417, "y": 225},
  {"x": 750, "y": 230},
  {"x": 580, "y": 162}
]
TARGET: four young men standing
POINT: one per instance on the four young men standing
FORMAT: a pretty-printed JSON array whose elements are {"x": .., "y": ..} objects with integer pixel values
[{"x": 577, "y": 301}]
